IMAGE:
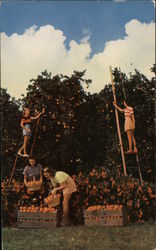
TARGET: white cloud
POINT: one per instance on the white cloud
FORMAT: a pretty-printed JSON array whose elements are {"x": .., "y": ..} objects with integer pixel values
[
  {"x": 153, "y": 1},
  {"x": 25, "y": 56},
  {"x": 85, "y": 39},
  {"x": 86, "y": 36}
]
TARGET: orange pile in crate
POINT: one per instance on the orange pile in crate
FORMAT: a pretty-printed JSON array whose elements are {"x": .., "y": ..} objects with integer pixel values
[
  {"x": 36, "y": 217},
  {"x": 34, "y": 185},
  {"x": 33, "y": 209},
  {"x": 107, "y": 207},
  {"x": 109, "y": 215}
]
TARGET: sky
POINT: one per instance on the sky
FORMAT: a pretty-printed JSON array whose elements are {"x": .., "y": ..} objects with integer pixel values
[{"x": 63, "y": 36}]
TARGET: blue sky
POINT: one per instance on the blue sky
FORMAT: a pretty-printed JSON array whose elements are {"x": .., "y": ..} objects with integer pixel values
[
  {"x": 104, "y": 20},
  {"x": 63, "y": 36}
]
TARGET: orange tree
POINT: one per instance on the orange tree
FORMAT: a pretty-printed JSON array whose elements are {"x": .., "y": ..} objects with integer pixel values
[
  {"x": 11, "y": 195},
  {"x": 62, "y": 97},
  {"x": 78, "y": 130},
  {"x": 140, "y": 93},
  {"x": 11, "y": 132},
  {"x": 101, "y": 187},
  {"x": 15, "y": 195},
  {"x": 97, "y": 187}
]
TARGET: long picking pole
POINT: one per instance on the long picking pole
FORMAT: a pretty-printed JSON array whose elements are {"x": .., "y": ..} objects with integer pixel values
[
  {"x": 118, "y": 125},
  {"x": 122, "y": 84}
]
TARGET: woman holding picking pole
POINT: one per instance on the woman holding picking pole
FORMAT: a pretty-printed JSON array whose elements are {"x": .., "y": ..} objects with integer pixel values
[{"x": 129, "y": 126}]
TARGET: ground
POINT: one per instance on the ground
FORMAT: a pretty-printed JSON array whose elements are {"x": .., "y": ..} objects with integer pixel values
[{"x": 138, "y": 236}]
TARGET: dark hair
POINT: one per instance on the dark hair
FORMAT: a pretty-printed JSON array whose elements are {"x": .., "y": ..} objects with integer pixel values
[
  {"x": 51, "y": 171},
  {"x": 32, "y": 157}
]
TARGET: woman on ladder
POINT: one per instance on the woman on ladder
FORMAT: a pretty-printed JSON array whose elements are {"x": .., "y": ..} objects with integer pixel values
[
  {"x": 25, "y": 124},
  {"x": 129, "y": 126}
]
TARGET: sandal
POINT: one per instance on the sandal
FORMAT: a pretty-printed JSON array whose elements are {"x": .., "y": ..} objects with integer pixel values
[
  {"x": 129, "y": 152},
  {"x": 26, "y": 155},
  {"x": 18, "y": 153},
  {"x": 135, "y": 151}
]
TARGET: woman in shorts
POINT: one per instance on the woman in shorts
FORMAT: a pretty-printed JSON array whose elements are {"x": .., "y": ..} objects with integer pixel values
[
  {"x": 25, "y": 124},
  {"x": 129, "y": 126}
]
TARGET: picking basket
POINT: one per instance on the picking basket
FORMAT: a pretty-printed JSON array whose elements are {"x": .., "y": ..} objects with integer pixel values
[
  {"x": 34, "y": 185},
  {"x": 52, "y": 200}
]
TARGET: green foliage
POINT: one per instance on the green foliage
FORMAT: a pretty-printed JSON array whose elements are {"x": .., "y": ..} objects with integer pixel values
[
  {"x": 140, "y": 93},
  {"x": 11, "y": 133},
  {"x": 101, "y": 187},
  {"x": 78, "y": 130},
  {"x": 97, "y": 187}
]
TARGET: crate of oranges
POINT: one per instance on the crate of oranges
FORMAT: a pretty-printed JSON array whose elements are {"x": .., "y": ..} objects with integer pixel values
[
  {"x": 34, "y": 185},
  {"x": 36, "y": 217},
  {"x": 110, "y": 215},
  {"x": 52, "y": 200}
]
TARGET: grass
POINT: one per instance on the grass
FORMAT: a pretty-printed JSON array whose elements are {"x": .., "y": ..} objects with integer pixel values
[{"x": 132, "y": 237}]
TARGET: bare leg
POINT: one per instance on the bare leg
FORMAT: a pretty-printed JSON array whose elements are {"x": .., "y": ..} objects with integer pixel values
[
  {"x": 129, "y": 136},
  {"x": 134, "y": 143},
  {"x": 26, "y": 139},
  {"x": 20, "y": 150},
  {"x": 66, "y": 219}
]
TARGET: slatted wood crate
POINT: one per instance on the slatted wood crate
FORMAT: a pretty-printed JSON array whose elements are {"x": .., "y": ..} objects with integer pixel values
[
  {"x": 36, "y": 220},
  {"x": 116, "y": 217}
]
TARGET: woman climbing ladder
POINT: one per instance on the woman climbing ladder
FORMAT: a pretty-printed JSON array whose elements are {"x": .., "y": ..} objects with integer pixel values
[
  {"x": 25, "y": 124},
  {"x": 129, "y": 126}
]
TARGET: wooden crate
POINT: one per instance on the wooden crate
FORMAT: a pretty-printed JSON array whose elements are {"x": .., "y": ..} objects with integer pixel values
[
  {"x": 116, "y": 217},
  {"x": 36, "y": 220}
]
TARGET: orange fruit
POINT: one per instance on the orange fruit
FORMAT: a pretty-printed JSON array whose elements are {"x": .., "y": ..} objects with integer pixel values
[{"x": 41, "y": 210}]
